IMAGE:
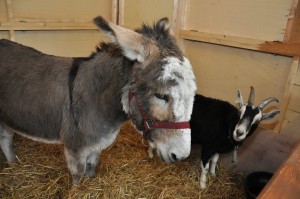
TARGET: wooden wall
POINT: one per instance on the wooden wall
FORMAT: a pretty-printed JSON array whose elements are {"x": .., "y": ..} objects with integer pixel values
[
  {"x": 232, "y": 44},
  {"x": 225, "y": 42},
  {"x": 56, "y": 27}
]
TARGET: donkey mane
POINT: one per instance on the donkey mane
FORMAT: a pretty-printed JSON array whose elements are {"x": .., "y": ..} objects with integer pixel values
[{"x": 161, "y": 34}]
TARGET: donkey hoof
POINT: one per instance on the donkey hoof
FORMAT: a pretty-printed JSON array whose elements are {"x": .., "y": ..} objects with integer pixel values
[
  {"x": 90, "y": 174},
  {"x": 76, "y": 180}
]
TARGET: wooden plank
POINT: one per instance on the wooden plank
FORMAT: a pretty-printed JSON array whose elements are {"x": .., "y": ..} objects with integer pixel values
[
  {"x": 288, "y": 49},
  {"x": 221, "y": 70},
  {"x": 285, "y": 182},
  {"x": 114, "y": 13},
  {"x": 291, "y": 128},
  {"x": 61, "y": 11},
  {"x": 287, "y": 93},
  {"x": 48, "y": 26},
  {"x": 295, "y": 32},
  {"x": 180, "y": 15},
  {"x": 294, "y": 103},
  {"x": 75, "y": 43},
  {"x": 121, "y": 12},
  {"x": 4, "y": 35},
  {"x": 290, "y": 116},
  {"x": 290, "y": 22},
  {"x": 297, "y": 78},
  {"x": 259, "y": 19},
  {"x": 10, "y": 17},
  {"x": 144, "y": 11},
  {"x": 291, "y": 49},
  {"x": 3, "y": 11},
  {"x": 226, "y": 40}
]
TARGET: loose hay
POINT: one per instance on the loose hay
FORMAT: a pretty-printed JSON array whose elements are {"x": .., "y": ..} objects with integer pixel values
[{"x": 125, "y": 171}]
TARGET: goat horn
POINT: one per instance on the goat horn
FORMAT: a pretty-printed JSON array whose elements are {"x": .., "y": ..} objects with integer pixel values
[
  {"x": 267, "y": 101},
  {"x": 251, "y": 96}
]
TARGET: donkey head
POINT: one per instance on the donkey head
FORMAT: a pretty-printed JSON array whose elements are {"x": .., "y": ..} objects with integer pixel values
[
  {"x": 161, "y": 87},
  {"x": 250, "y": 116}
]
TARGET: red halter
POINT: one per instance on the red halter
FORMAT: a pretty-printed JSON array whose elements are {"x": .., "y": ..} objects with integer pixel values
[{"x": 152, "y": 124}]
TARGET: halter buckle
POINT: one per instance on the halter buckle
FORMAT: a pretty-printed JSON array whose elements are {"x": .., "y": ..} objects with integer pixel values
[{"x": 148, "y": 124}]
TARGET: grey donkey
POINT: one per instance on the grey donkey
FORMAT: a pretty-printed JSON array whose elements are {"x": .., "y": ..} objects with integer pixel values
[{"x": 139, "y": 75}]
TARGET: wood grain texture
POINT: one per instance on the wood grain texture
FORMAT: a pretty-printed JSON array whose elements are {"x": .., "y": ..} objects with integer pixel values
[
  {"x": 259, "y": 19},
  {"x": 295, "y": 99},
  {"x": 138, "y": 11},
  {"x": 295, "y": 30},
  {"x": 221, "y": 70},
  {"x": 77, "y": 43},
  {"x": 61, "y": 11},
  {"x": 287, "y": 93},
  {"x": 286, "y": 181},
  {"x": 286, "y": 49}
]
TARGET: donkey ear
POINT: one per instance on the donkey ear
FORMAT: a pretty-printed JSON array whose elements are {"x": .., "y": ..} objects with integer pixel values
[
  {"x": 133, "y": 44},
  {"x": 239, "y": 99},
  {"x": 165, "y": 25},
  {"x": 270, "y": 115}
]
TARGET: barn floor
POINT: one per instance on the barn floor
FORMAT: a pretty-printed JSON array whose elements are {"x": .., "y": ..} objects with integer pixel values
[{"x": 125, "y": 171}]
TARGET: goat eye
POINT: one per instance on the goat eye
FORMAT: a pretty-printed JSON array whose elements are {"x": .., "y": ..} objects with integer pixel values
[{"x": 162, "y": 97}]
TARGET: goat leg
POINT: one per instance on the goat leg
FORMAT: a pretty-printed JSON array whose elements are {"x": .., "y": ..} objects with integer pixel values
[
  {"x": 203, "y": 177},
  {"x": 213, "y": 164},
  {"x": 234, "y": 156}
]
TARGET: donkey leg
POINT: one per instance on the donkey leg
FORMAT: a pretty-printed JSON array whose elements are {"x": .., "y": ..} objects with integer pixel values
[
  {"x": 76, "y": 165},
  {"x": 6, "y": 138},
  {"x": 213, "y": 165},
  {"x": 91, "y": 164}
]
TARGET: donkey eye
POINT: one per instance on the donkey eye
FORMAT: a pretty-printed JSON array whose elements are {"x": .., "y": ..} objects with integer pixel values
[{"x": 162, "y": 97}]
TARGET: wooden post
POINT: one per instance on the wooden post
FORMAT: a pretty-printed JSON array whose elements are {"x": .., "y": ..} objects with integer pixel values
[
  {"x": 10, "y": 17},
  {"x": 121, "y": 12},
  {"x": 287, "y": 93},
  {"x": 115, "y": 17},
  {"x": 180, "y": 15}
]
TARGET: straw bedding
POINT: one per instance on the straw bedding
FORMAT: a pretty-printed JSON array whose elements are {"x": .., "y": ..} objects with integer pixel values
[{"x": 125, "y": 171}]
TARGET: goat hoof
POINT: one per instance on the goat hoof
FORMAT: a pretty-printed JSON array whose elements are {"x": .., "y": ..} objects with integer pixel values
[{"x": 202, "y": 185}]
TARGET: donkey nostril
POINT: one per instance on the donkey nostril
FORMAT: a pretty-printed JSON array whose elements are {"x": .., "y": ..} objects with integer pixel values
[
  {"x": 239, "y": 133},
  {"x": 173, "y": 157}
]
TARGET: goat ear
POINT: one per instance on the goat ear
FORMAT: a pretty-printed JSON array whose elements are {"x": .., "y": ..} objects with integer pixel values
[
  {"x": 271, "y": 115},
  {"x": 134, "y": 45},
  {"x": 239, "y": 99}
]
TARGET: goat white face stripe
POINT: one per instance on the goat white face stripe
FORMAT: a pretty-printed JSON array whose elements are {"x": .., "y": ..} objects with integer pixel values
[
  {"x": 257, "y": 117},
  {"x": 242, "y": 110}
]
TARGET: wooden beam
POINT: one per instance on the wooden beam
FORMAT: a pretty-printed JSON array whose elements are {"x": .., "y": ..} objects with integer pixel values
[
  {"x": 114, "y": 17},
  {"x": 11, "y": 26},
  {"x": 291, "y": 49},
  {"x": 295, "y": 29},
  {"x": 287, "y": 49},
  {"x": 291, "y": 21},
  {"x": 180, "y": 14},
  {"x": 287, "y": 93},
  {"x": 121, "y": 12},
  {"x": 285, "y": 181},
  {"x": 10, "y": 16}
]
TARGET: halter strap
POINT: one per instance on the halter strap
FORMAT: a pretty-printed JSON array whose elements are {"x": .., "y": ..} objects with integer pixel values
[{"x": 153, "y": 124}]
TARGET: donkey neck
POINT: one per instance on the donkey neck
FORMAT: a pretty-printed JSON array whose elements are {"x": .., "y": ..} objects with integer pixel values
[{"x": 99, "y": 83}]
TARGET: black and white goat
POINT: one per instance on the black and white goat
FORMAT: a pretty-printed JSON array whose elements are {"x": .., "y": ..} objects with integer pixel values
[{"x": 220, "y": 127}]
